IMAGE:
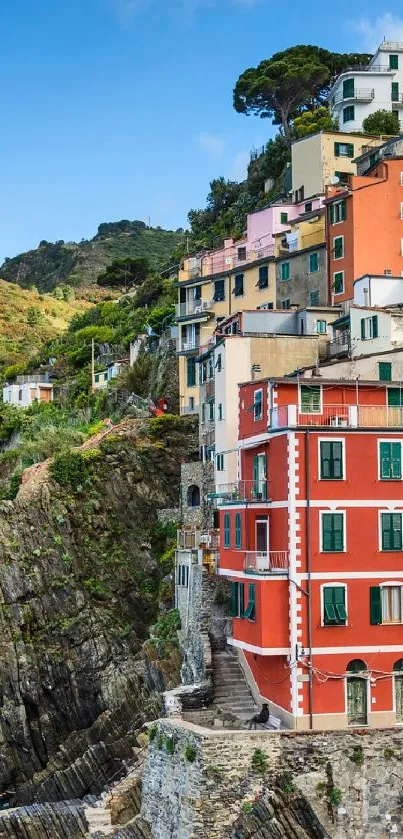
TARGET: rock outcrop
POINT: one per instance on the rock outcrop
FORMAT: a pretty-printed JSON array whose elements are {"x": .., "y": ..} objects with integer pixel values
[{"x": 79, "y": 587}]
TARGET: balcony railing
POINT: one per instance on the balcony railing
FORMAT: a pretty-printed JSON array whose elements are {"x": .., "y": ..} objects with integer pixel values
[
  {"x": 193, "y": 307},
  {"x": 190, "y": 344},
  {"x": 240, "y": 491},
  {"x": 191, "y": 540},
  {"x": 338, "y": 416},
  {"x": 340, "y": 344},
  {"x": 363, "y": 94},
  {"x": 266, "y": 562}
]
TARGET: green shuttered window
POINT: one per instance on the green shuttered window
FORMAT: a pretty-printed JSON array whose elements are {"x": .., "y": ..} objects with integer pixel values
[
  {"x": 375, "y": 605},
  {"x": 191, "y": 372},
  {"x": 390, "y": 461},
  {"x": 310, "y": 398},
  {"x": 263, "y": 276},
  {"x": 250, "y": 611},
  {"x": 391, "y": 531},
  {"x": 395, "y": 397},
  {"x": 331, "y": 460},
  {"x": 313, "y": 263},
  {"x": 237, "y": 600},
  {"x": 385, "y": 371},
  {"x": 334, "y": 606},
  {"x": 285, "y": 271},
  {"x": 332, "y": 532},
  {"x": 227, "y": 531},
  {"x": 238, "y": 530}
]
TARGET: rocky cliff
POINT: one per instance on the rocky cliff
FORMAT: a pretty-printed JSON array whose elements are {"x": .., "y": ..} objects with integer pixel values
[{"x": 80, "y": 579}]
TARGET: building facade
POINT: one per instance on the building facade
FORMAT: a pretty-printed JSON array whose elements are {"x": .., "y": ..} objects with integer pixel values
[
  {"x": 27, "y": 390},
  {"x": 311, "y": 541}
]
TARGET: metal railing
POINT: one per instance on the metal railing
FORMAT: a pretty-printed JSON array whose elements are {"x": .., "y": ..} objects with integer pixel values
[
  {"x": 191, "y": 344},
  {"x": 340, "y": 344},
  {"x": 193, "y": 307},
  {"x": 239, "y": 491},
  {"x": 338, "y": 416},
  {"x": 34, "y": 379},
  {"x": 192, "y": 540},
  {"x": 360, "y": 94},
  {"x": 266, "y": 562}
]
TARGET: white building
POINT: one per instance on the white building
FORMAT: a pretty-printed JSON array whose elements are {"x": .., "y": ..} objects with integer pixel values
[
  {"x": 382, "y": 290},
  {"x": 359, "y": 92},
  {"x": 25, "y": 392}
]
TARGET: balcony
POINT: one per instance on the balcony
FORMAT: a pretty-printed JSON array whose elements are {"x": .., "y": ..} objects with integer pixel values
[
  {"x": 192, "y": 540},
  {"x": 340, "y": 345},
  {"x": 193, "y": 307},
  {"x": 189, "y": 344},
  {"x": 189, "y": 409},
  {"x": 361, "y": 94},
  {"x": 337, "y": 416},
  {"x": 397, "y": 100},
  {"x": 239, "y": 492},
  {"x": 266, "y": 562}
]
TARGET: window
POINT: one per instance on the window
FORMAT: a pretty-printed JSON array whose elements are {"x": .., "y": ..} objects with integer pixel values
[
  {"x": 238, "y": 530},
  {"x": 220, "y": 463},
  {"x": 257, "y": 405},
  {"x": 218, "y": 363},
  {"x": 348, "y": 113},
  {"x": 321, "y": 327},
  {"x": 191, "y": 372},
  {"x": 338, "y": 282},
  {"x": 310, "y": 399},
  {"x": 211, "y": 406},
  {"x": 250, "y": 611},
  {"x": 219, "y": 290},
  {"x": 237, "y": 600},
  {"x": 308, "y": 207},
  {"x": 343, "y": 177},
  {"x": 348, "y": 89},
  {"x": 390, "y": 461},
  {"x": 203, "y": 413},
  {"x": 313, "y": 263},
  {"x": 338, "y": 247},
  {"x": 285, "y": 271},
  {"x": 393, "y": 62},
  {"x": 385, "y": 604},
  {"x": 395, "y": 91},
  {"x": 238, "y": 289},
  {"x": 220, "y": 412},
  {"x": 260, "y": 477},
  {"x": 242, "y": 253},
  {"x": 283, "y": 218},
  {"x": 193, "y": 496},
  {"x": 331, "y": 459},
  {"x": 263, "y": 276},
  {"x": 210, "y": 374},
  {"x": 299, "y": 194},
  {"x": 385, "y": 371},
  {"x": 337, "y": 212},
  {"x": 334, "y": 606},
  {"x": 343, "y": 150},
  {"x": 286, "y": 303},
  {"x": 183, "y": 575},
  {"x": 332, "y": 532},
  {"x": 191, "y": 403},
  {"x": 227, "y": 531},
  {"x": 391, "y": 531},
  {"x": 369, "y": 328},
  {"x": 197, "y": 292},
  {"x": 314, "y": 298},
  {"x": 395, "y": 397}
]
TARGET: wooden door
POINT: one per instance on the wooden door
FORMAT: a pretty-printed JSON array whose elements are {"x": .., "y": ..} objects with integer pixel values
[{"x": 357, "y": 712}]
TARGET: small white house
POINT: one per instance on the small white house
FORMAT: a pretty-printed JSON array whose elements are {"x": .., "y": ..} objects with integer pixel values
[
  {"x": 25, "y": 393},
  {"x": 100, "y": 380},
  {"x": 115, "y": 368},
  {"x": 383, "y": 290}
]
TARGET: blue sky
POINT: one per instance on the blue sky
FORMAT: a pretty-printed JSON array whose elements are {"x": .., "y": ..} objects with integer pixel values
[{"x": 123, "y": 108}]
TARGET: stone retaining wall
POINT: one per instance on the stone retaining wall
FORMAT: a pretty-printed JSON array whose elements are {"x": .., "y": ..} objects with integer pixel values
[{"x": 197, "y": 779}]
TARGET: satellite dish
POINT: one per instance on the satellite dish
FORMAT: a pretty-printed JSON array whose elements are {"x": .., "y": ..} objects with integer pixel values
[{"x": 334, "y": 180}]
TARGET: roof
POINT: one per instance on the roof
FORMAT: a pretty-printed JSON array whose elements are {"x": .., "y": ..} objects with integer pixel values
[
  {"x": 338, "y": 134},
  {"x": 282, "y": 380},
  {"x": 332, "y": 362}
]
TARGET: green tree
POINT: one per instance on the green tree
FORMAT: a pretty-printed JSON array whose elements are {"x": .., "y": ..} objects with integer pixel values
[
  {"x": 381, "y": 122},
  {"x": 269, "y": 164},
  {"x": 312, "y": 121},
  {"x": 125, "y": 273},
  {"x": 284, "y": 86}
]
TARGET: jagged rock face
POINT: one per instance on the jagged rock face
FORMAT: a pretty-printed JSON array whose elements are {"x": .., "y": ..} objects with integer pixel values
[
  {"x": 278, "y": 815},
  {"x": 78, "y": 590}
]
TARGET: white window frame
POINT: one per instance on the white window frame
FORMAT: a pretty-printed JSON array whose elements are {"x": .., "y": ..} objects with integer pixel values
[
  {"x": 220, "y": 459},
  {"x": 337, "y": 512},
  {"x": 257, "y": 418},
  {"x": 306, "y": 383},
  {"x": 341, "y": 440},
  {"x": 393, "y": 584},
  {"x": 336, "y": 258},
  {"x": 389, "y": 440},
  {"x": 401, "y": 178},
  {"x": 333, "y": 584},
  {"x": 368, "y": 322},
  {"x": 391, "y": 513},
  {"x": 338, "y": 204},
  {"x": 336, "y": 293},
  {"x": 321, "y": 332}
]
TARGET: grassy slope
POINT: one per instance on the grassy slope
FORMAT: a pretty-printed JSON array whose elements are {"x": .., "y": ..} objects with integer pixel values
[
  {"x": 79, "y": 264},
  {"x": 19, "y": 339}
]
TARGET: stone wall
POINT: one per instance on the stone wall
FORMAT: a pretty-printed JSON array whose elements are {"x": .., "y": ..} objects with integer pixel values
[
  {"x": 200, "y": 475},
  {"x": 198, "y": 781}
]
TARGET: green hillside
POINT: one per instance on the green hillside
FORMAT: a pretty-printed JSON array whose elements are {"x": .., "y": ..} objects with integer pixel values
[{"x": 78, "y": 264}]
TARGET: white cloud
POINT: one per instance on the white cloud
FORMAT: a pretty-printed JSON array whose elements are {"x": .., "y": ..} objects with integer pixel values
[
  {"x": 211, "y": 143},
  {"x": 372, "y": 32},
  {"x": 239, "y": 166}
]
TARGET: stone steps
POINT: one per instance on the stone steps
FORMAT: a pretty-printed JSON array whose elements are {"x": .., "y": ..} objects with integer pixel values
[
  {"x": 98, "y": 821},
  {"x": 231, "y": 692}
]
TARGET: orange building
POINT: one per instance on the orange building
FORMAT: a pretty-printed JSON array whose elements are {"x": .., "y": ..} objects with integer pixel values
[
  {"x": 311, "y": 541},
  {"x": 364, "y": 230}
]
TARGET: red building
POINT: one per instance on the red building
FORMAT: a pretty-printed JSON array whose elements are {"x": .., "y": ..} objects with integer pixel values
[{"x": 311, "y": 540}]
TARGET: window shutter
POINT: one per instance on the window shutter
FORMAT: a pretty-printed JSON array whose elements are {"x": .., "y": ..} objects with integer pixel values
[
  {"x": 331, "y": 213},
  {"x": 339, "y": 597},
  {"x": 327, "y": 533},
  {"x": 337, "y": 149},
  {"x": 337, "y": 458},
  {"x": 394, "y": 397},
  {"x": 338, "y": 532},
  {"x": 375, "y": 605},
  {"x": 362, "y": 329},
  {"x": 238, "y": 530},
  {"x": 343, "y": 211},
  {"x": 385, "y": 371},
  {"x": 241, "y": 600},
  {"x": 375, "y": 326},
  {"x": 255, "y": 474},
  {"x": 350, "y": 147},
  {"x": 325, "y": 460},
  {"x": 227, "y": 531},
  {"x": 385, "y": 460},
  {"x": 234, "y": 599},
  {"x": 396, "y": 470},
  {"x": 397, "y": 531},
  {"x": 328, "y": 606},
  {"x": 386, "y": 523},
  {"x": 250, "y": 611}
]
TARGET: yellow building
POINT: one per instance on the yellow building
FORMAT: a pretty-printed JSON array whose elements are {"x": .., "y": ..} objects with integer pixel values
[{"x": 318, "y": 159}]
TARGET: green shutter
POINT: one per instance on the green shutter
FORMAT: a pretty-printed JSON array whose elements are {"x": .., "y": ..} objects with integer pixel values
[
  {"x": 393, "y": 62},
  {"x": 374, "y": 326},
  {"x": 337, "y": 459},
  {"x": 327, "y": 533},
  {"x": 396, "y": 470},
  {"x": 234, "y": 599},
  {"x": 395, "y": 397},
  {"x": 331, "y": 213},
  {"x": 227, "y": 531},
  {"x": 343, "y": 210},
  {"x": 325, "y": 454},
  {"x": 385, "y": 371},
  {"x": 362, "y": 329},
  {"x": 238, "y": 530},
  {"x": 313, "y": 263},
  {"x": 337, "y": 149},
  {"x": 348, "y": 88},
  {"x": 338, "y": 247},
  {"x": 385, "y": 460},
  {"x": 250, "y": 611},
  {"x": 386, "y": 531},
  {"x": 191, "y": 372},
  {"x": 241, "y": 600},
  {"x": 395, "y": 91},
  {"x": 375, "y": 605},
  {"x": 328, "y": 606},
  {"x": 391, "y": 527},
  {"x": 255, "y": 475},
  {"x": 339, "y": 597},
  {"x": 350, "y": 147},
  {"x": 338, "y": 535},
  {"x": 397, "y": 531},
  {"x": 332, "y": 532}
]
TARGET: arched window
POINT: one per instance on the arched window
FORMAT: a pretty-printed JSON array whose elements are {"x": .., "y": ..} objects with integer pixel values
[
  {"x": 398, "y": 688},
  {"x": 357, "y": 700},
  {"x": 356, "y": 665},
  {"x": 194, "y": 496}
]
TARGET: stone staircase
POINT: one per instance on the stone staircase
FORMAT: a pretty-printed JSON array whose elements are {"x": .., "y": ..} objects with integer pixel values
[
  {"x": 231, "y": 692},
  {"x": 98, "y": 818}
]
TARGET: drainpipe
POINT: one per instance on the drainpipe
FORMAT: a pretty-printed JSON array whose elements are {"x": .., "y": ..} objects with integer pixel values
[{"x": 309, "y": 572}]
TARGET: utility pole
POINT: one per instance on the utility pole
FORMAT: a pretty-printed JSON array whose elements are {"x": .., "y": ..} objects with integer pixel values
[{"x": 92, "y": 366}]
